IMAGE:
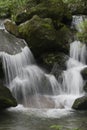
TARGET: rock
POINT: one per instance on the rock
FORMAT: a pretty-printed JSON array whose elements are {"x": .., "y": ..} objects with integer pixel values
[
  {"x": 80, "y": 103},
  {"x": 6, "y": 98},
  {"x": 85, "y": 86},
  {"x": 10, "y": 44},
  {"x": 41, "y": 8},
  {"x": 11, "y": 27},
  {"x": 41, "y": 35},
  {"x": 54, "y": 61},
  {"x": 84, "y": 73},
  {"x": 2, "y": 75}
]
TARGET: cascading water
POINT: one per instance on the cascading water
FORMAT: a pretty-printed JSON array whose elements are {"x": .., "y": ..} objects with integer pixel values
[
  {"x": 34, "y": 88},
  {"x": 28, "y": 83}
]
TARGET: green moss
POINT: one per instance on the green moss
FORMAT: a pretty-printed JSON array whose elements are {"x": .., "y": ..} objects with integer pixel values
[
  {"x": 39, "y": 33},
  {"x": 55, "y": 12},
  {"x": 82, "y": 36}
]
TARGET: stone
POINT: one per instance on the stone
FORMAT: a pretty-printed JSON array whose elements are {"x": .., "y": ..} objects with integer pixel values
[
  {"x": 39, "y": 34},
  {"x": 11, "y": 27},
  {"x": 80, "y": 103},
  {"x": 41, "y": 8},
  {"x": 42, "y": 36},
  {"x": 84, "y": 73},
  {"x": 6, "y": 98}
]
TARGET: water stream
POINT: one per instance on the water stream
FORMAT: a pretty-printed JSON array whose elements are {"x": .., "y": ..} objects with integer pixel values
[
  {"x": 40, "y": 95},
  {"x": 32, "y": 87}
]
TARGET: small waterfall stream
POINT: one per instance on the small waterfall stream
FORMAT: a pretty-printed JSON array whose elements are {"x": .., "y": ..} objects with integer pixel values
[{"x": 32, "y": 87}]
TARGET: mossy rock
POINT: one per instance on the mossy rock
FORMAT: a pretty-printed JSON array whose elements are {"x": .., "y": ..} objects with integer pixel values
[
  {"x": 49, "y": 60},
  {"x": 39, "y": 34},
  {"x": 55, "y": 12},
  {"x": 6, "y": 98},
  {"x": 80, "y": 103},
  {"x": 42, "y": 36}
]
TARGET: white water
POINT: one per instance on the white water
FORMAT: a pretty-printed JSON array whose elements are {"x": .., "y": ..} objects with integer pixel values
[{"x": 33, "y": 88}]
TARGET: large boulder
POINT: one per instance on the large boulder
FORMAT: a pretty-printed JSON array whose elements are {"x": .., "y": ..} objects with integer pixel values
[
  {"x": 6, "y": 98},
  {"x": 41, "y": 8},
  {"x": 41, "y": 36},
  {"x": 80, "y": 103}
]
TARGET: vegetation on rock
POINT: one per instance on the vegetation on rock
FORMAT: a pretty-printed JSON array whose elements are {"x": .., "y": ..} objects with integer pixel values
[{"x": 82, "y": 35}]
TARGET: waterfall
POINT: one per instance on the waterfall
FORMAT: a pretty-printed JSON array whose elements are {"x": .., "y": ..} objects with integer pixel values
[
  {"x": 29, "y": 84},
  {"x": 78, "y": 51},
  {"x": 32, "y": 87}
]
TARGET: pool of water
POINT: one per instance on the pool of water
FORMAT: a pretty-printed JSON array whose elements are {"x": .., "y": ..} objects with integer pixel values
[{"x": 37, "y": 119}]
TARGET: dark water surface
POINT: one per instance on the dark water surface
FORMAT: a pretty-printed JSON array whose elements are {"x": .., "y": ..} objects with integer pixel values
[{"x": 39, "y": 120}]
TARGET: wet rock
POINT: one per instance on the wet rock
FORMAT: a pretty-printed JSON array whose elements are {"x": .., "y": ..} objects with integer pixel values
[
  {"x": 80, "y": 103},
  {"x": 6, "y": 98},
  {"x": 2, "y": 75},
  {"x": 85, "y": 87},
  {"x": 10, "y": 44},
  {"x": 84, "y": 73},
  {"x": 54, "y": 62},
  {"x": 11, "y": 27}
]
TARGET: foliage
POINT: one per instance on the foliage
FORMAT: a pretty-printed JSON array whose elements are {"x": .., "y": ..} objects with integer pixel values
[
  {"x": 8, "y": 7},
  {"x": 77, "y": 6},
  {"x": 82, "y": 35},
  {"x": 58, "y": 127}
]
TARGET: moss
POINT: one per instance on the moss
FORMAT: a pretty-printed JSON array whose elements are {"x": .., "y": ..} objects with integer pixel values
[
  {"x": 55, "y": 12},
  {"x": 77, "y": 6},
  {"x": 39, "y": 33},
  {"x": 82, "y": 35}
]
